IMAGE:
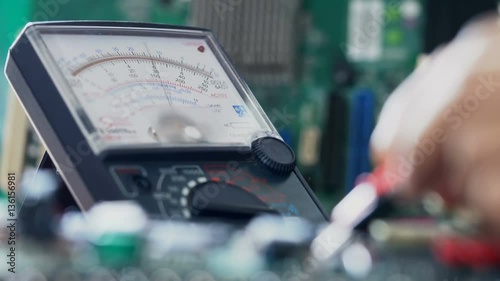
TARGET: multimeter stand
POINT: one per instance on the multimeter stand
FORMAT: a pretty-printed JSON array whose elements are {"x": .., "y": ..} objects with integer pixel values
[{"x": 46, "y": 163}]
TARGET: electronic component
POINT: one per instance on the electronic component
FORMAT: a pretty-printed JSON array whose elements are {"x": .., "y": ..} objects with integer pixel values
[
  {"x": 99, "y": 246},
  {"x": 260, "y": 36},
  {"x": 361, "y": 124}
]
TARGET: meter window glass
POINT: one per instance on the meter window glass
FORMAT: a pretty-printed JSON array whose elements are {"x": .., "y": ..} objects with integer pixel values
[{"x": 155, "y": 88}]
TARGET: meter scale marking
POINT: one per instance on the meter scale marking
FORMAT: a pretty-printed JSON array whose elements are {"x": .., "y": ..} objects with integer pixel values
[
  {"x": 119, "y": 86},
  {"x": 146, "y": 58},
  {"x": 246, "y": 181},
  {"x": 150, "y": 106},
  {"x": 151, "y": 96}
]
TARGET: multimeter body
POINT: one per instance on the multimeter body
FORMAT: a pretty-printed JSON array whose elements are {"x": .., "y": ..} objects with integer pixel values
[{"x": 156, "y": 114}]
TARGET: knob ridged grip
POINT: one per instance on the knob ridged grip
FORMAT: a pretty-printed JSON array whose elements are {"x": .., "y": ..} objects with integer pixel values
[{"x": 274, "y": 154}]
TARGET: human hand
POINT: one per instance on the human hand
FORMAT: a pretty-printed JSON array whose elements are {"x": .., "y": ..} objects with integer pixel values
[{"x": 440, "y": 130}]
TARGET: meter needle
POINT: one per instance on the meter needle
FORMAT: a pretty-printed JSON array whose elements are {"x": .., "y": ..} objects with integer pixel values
[{"x": 158, "y": 75}]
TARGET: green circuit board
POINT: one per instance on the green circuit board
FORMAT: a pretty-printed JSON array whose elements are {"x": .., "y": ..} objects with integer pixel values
[{"x": 377, "y": 42}]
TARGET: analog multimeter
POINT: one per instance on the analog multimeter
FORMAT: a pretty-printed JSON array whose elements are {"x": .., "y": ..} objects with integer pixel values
[{"x": 156, "y": 114}]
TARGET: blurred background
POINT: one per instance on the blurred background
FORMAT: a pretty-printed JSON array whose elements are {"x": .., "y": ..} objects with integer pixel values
[{"x": 320, "y": 69}]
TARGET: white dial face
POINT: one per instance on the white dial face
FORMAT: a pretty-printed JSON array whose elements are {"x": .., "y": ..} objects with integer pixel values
[{"x": 152, "y": 89}]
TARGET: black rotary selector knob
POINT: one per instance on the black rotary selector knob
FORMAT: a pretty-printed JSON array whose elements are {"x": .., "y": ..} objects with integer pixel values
[{"x": 274, "y": 154}]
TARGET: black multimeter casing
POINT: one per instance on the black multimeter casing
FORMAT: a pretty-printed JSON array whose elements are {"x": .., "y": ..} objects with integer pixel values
[{"x": 140, "y": 174}]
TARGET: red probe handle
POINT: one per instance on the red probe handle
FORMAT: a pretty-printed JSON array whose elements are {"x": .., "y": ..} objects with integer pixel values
[{"x": 379, "y": 179}]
